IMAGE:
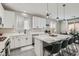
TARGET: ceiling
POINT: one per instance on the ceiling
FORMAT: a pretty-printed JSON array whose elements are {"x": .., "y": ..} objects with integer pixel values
[{"x": 39, "y": 9}]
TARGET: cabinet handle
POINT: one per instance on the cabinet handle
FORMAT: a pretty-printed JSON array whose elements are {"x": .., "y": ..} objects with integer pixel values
[
  {"x": 26, "y": 38},
  {"x": 2, "y": 25},
  {"x": 19, "y": 39}
]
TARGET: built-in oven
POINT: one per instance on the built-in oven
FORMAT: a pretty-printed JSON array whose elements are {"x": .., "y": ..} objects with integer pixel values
[{"x": 7, "y": 48}]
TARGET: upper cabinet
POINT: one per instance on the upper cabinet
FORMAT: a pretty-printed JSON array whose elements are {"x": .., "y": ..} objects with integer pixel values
[
  {"x": 9, "y": 19},
  {"x": 39, "y": 22},
  {"x": 1, "y": 14},
  {"x": 1, "y": 11}
]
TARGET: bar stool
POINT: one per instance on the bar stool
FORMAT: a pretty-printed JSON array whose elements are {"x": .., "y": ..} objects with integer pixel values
[
  {"x": 53, "y": 48},
  {"x": 64, "y": 46},
  {"x": 72, "y": 51},
  {"x": 76, "y": 36}
]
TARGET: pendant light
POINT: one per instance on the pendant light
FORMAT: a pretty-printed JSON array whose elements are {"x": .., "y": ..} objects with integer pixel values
[
  {"x": 64, "y": 11},
  {"x": 47, "y": 15},
  {"x": 57, "y": 13}
]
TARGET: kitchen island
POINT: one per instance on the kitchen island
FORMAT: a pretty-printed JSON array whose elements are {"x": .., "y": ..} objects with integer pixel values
[{"x": 39, "y": 40}]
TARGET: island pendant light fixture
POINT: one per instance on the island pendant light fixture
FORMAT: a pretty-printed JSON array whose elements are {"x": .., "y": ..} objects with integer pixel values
[
  {"x": 57, "y": 13},
  {"x": 64, "y": 5},
  {"x": 47, "y": 12}
]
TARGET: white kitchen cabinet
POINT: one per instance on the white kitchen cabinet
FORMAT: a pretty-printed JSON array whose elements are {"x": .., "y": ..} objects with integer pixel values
[
  {"x": 1, "y": 14},
  {"x": 9, "y": 19},
  {"x": 24, "y": 41},
  {"x": 39, "y": 22},
  {"x": 17, "y": 42},
  {"x": 12, "y": 44},
  {"x": 1, "y": 10}
]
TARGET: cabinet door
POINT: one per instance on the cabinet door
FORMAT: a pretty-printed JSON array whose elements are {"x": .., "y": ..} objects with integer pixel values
[
  {"x": 24, "y": 41},
  {"x": 39, "y": 22},
  {"x": 12, "y": 44},
  {"x": 9, "y": 19},
  {"x": 17, "y": 42},
  {"x": 1, "y": 11}
]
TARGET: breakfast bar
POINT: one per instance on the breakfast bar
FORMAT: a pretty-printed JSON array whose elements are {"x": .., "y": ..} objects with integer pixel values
[{"x": 39, "y": 40}]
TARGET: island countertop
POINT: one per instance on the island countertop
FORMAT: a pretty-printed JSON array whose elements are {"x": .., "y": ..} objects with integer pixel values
[{"x": 49, "y": 39}]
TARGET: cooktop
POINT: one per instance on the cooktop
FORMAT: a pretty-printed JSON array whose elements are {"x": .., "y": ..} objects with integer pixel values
[{"x": 2, "y": 38}]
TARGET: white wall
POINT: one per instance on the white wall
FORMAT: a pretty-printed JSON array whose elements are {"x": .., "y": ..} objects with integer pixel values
[
  {"x": 58, "y": 27},
  {"x": 64, "y": 26}
]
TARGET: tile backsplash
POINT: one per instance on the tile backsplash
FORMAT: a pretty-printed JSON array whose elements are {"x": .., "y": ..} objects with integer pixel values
[{"x": 6, "y": 30}]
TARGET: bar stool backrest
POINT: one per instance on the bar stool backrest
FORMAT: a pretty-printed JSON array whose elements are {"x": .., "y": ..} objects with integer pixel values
[
  {"x": 65, "y": 43},
  {"x": 71, "y": 40},
  {"x": 56, "y": 47}
]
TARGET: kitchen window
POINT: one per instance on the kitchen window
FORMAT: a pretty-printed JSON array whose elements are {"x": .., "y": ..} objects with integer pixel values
[
  {"x": 19, "y": 23},
  {"x": 73, "y": 27},
  {"x": 53, "y": 26},
  {"x": 26, "y": 25}
]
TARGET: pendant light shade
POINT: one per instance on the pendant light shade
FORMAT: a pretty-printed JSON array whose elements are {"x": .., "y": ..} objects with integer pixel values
[
  {"x": 57, "y": 13},
  {"x": 64, "y": 11},
  {"x": 47, "y": 13}
]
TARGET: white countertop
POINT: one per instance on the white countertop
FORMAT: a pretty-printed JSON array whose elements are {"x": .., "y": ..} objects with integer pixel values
[
  {"x": 13, "y": 34},
  {"x": 50, "y": 39},
  {"x": 8, "y": 35},
  {"x": 36, "y": 32}
]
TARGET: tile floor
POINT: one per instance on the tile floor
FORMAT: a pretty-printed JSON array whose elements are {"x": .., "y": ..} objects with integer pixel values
[
  {"x": 28, "y": 51},
  {"x": 25, "y": 51}
]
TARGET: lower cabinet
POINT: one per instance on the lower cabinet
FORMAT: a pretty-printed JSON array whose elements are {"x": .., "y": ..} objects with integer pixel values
[
  {"x": 24, "y": 41},
  {"x": 12, "y": 43},
  {"x": 19, "y": 41}
]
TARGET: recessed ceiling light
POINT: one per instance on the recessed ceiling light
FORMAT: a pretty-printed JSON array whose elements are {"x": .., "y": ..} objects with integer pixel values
[
  {"x": 24, "y": 11},
  {"x": 23, "y": 14}
]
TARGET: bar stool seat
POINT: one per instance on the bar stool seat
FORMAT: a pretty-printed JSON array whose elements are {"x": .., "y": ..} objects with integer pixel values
[
  {"x": 53, "y": 48},
  {"x": 64, "y": 46},
  {"x": 72, "y": 47}
]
